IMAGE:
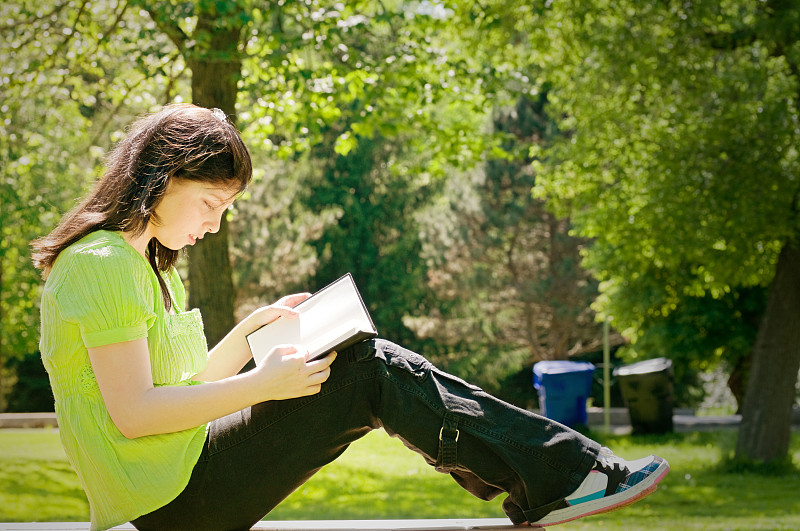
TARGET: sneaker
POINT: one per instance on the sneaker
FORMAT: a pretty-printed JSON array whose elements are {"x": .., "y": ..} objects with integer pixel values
[{"x": 612, "y": 483}]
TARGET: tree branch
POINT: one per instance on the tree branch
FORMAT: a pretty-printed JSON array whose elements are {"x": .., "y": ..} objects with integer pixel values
[
  {"x": 71, "y": 33},
  {"x": 173, "y": 79},
  {"x": 128, "y": 88},
  {"x": 168, "y": 26},
  {"x": 113, "y": 26},
  {"x": 109, "y": 30}
]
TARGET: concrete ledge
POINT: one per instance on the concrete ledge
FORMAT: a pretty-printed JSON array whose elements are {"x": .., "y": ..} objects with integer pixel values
[
  {"x": 28, "y": 420},
  {"x": 457, "y": 524},
  {"x": 618, "y": 416}
]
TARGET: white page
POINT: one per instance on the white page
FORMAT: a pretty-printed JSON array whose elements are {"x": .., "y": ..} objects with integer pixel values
[{"x": 330, "y": 316}]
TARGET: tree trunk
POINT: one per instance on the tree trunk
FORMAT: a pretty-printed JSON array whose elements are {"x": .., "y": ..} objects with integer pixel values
[
  {"x": 766, "y": 416},
  {"x": 216, "y": 70}
]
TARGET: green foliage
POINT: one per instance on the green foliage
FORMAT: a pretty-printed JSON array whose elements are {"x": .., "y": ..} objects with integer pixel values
[
  {"x": 370, "y": 69},
  {"x": 35, "y": 187},
  {"x": 367, "y": 103},
  {"x": 73, "y": 75},
  {"x": 366, "y": 118},
  {"x": 679, "y": 159},
  {"x": 504, "y": 269},
  {"x": 30, "y": 196},
  {"x": 700, "y": 333},
  {"x": 376, "y": 237},
  {"x": 31, "y": 391}
]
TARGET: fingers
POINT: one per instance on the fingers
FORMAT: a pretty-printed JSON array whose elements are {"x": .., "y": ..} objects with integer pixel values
[
  {"x": 267, "y": 314},
  {"x": 290, "y": 350},
  {"x": 322, "y": 362},
  {"x": 312, "y": 390},
  {"x": 284, "y": 307},
  {"x": 292, "y": 300},
  {"x": 320, "y": 371},
  {"x": 283, "y": 311},
  {"x": 288, "y": 365},
  {"x": 318, "y": 378}
]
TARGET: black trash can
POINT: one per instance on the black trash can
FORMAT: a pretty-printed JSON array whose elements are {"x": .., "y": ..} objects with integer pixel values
[{"x": 647, "y": 390}]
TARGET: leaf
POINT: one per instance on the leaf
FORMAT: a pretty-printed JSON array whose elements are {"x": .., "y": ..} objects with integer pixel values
[{"x": 345, "y": 143}]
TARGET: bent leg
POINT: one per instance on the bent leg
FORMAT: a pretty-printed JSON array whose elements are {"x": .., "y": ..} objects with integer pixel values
[
  {"x": 487, "y": 445},
  {"x": 257, "y": 457}
]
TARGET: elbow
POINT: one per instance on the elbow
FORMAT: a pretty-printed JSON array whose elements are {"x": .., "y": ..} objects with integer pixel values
[
  {"x": 128, "y": 426},
  {"x": 129, "y": 433},
  {"x": 128, "y": 430}
]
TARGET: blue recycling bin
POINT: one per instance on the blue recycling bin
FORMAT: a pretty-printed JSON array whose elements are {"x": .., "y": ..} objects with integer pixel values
[{"x": 563, "y": 387}]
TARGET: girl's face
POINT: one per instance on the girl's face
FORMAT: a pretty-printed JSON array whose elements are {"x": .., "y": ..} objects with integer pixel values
[{"x": 188, "y": 210}]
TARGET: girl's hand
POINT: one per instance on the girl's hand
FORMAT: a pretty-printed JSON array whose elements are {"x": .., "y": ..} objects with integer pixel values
[
  {"x": 232, "y": 353},
  {"x": 284, "y": 307},
  {"x": 285, "y": 373}
]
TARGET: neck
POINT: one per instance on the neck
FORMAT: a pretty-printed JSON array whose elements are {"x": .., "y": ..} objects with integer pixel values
[{"x": 137, "y": 242}]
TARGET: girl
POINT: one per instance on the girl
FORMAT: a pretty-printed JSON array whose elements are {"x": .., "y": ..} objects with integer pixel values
[{"x": 168, "y": 435}]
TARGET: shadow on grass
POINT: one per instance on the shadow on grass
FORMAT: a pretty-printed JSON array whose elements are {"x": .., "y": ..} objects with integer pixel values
[{"x": 339, "y": 493}]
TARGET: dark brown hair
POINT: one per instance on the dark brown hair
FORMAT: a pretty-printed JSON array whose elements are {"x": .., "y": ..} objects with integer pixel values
[{"x": 181, "y": 141}]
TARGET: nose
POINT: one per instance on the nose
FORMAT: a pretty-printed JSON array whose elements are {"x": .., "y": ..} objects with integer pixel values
[{"x": 212, "y": 224}]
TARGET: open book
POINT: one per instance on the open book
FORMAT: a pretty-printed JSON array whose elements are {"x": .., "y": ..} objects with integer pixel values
[{"x": 333, "y": 318}]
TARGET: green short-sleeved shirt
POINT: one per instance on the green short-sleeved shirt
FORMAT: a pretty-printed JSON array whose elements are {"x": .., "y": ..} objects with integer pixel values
[{"x": 101, "y": 291}]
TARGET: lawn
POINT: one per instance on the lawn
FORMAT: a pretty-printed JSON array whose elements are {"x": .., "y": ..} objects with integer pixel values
[{"x": 377, "y": 478}]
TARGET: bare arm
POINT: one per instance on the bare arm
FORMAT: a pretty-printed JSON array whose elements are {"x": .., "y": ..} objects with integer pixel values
[{"x": 139, "y": 408}]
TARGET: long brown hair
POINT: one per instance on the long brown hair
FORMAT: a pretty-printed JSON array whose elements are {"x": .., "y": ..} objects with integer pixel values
[{"x": 181, "y": 141}]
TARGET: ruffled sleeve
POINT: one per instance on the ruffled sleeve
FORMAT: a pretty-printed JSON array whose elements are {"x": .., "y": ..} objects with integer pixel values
[{"x": 109, "y": 296}]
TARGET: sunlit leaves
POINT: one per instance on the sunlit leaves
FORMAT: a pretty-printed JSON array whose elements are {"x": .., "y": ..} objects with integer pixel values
[
  {"x": 680, "y": 160},
  {"x": 364, "y": 67}
]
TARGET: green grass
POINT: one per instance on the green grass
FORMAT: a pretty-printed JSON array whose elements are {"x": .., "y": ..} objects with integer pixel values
[
  {"x": 378, "y": 478},
  {"x": 36, "y": 481}
]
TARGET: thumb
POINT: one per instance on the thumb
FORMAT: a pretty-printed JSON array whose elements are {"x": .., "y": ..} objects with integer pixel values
[
  {"x": 267, "y": 314},
  {"x": 287, "y": 351},
  {"x": 284, "y": 311}
]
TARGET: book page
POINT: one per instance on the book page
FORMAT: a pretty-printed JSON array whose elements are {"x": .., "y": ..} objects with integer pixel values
[{"x": 328, "y": 318}]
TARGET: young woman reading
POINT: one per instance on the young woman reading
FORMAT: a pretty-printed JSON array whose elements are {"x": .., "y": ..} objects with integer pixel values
[{"x": 169, "y": 435}]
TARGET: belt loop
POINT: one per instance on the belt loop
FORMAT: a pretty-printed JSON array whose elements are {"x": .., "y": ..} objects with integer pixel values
[{"x": 448, "y": 446}]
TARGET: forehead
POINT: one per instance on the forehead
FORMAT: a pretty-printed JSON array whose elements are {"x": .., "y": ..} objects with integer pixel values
[{"x": 223, "y": 192}]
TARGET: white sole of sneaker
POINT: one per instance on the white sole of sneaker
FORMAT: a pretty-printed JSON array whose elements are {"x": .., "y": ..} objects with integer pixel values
[{"x": 609, "y": 503}]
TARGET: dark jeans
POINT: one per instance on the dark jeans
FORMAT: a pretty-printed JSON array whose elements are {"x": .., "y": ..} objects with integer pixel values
[{"x": 255, "y": 458}]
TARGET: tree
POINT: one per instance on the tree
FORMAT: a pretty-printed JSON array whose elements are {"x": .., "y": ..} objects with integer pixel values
[
  {"x": 376, "y": 236},
  {"x": 284, "y": 72},
  {"x": 297, "y": 68},
  {"x": 699, "y": 334},
  {"x": 387, "y": 116},
  {"x": 681, "y": 165},
  {"x": 211, "y": 50},
  {"x": 505, "y": 268},
  {"x": 28, "y": 200},
  {"x": 58, "y": 108}
]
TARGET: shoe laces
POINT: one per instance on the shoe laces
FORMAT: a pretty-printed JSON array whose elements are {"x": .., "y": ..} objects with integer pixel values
[{"x": 607, "y": 461}]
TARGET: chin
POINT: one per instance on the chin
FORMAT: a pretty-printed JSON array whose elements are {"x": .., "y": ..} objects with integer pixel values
[{"x": 172, "y": 246}]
